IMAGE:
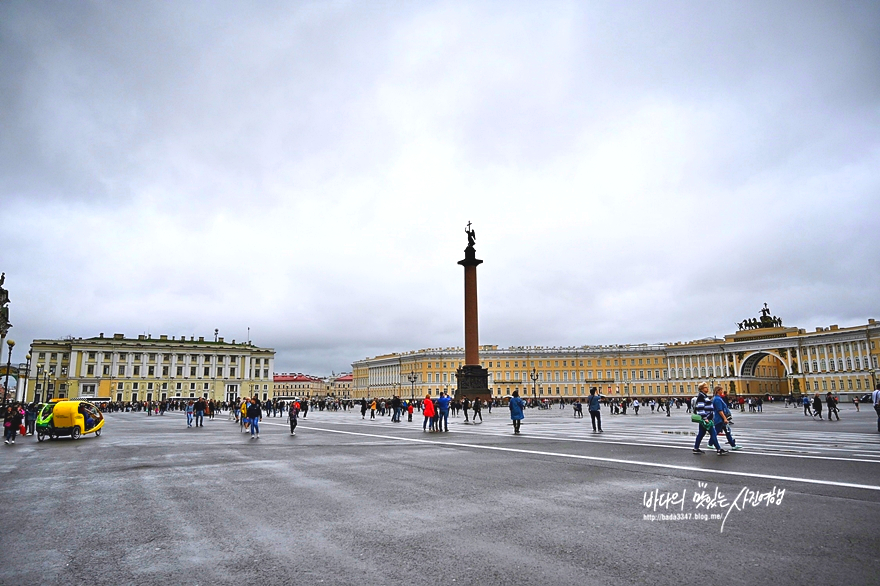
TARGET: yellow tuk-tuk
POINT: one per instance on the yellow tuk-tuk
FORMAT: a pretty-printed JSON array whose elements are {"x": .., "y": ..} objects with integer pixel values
[{"x": 64, "y": 417}]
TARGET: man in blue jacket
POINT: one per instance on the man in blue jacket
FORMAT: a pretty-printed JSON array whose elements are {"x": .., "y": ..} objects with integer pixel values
[{"x": 443, "y": 407}]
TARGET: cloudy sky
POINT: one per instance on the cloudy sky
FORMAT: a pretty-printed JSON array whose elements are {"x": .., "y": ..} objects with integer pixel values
[{"x": 634, "y": 172}]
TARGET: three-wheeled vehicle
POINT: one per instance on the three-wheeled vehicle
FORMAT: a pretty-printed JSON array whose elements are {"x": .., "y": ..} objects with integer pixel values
[{"x": 66, "y": 417}]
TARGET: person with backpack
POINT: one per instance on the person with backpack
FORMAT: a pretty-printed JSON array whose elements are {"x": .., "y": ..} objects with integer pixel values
[
  {"x": 478, "y": 407},
  {"x": 832, "y": 406}
]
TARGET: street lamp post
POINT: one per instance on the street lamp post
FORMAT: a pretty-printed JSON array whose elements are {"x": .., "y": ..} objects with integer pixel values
[
  {"x": 411, "y": 377},
  {"x": 27, "y": 373},
  {"x": 9, "y": 343},
  {"x": 534, "y": 377}
]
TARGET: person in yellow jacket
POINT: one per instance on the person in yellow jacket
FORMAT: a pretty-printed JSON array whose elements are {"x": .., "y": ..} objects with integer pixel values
[{"x": 243, "y": 419}]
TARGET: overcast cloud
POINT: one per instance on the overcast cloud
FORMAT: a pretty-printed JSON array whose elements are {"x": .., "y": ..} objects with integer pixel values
[{"x": 634, "y": 172}]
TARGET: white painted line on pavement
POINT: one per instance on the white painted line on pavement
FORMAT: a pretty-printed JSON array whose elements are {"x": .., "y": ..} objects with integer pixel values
[{"x": 602, "y": 459}]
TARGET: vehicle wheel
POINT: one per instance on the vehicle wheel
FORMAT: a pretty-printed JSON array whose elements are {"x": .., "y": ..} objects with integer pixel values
[
  {"x": 98, "y": 433},
  {"x": 40, "y": 437},
  {"x": 75, "y": 433}
]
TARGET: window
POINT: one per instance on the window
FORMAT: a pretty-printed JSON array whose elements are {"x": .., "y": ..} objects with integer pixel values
[
  {"x": 207, "y": 371},
  {"x": 90, "y": 369},
  {"x": 121, "y": 370},
  {"x": 192, "y": 370},
  {"x": 137, "y": 356},
  {"x": 106, "y": 370},
  {"x": 164, "y": 371},
  {"x": 137, "y": 371},
  {"x": 123, "y": 356},
  {"x": 91, "y": 355},
  {"x": 42, "y": 355},
  {"x": 219, "y": 371},
  {"x": 134, "y": 386},
  {"x": 118, "y": 386},
  {"x": 266, "y": 373}
]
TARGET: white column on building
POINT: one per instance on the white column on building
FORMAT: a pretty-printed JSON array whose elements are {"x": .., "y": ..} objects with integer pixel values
[{"x": 73, "y": 369}]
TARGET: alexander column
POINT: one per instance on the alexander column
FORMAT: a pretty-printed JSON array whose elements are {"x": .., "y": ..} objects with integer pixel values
[{"x": 473, "y": 379}]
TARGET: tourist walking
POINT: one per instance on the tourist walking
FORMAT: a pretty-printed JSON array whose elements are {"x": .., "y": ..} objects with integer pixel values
[
  {"x": 594, "y": 407},
  {"x": 255, "y": 415},
  {"x": 705, "y": 414},
  {"x": 293, "y": 415},
  {"x": 478, "y": 408},
  {"x": 722, "y": 417},
  {"x": 11, "y": 423},
  {"x": 189, "y": 414},
  {"x": 832, "y": 406},
  {"x": 817, "y": 406},
  {"x": 516, "y": 406}
]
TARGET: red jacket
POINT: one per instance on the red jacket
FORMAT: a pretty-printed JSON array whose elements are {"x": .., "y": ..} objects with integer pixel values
[{"x": 428, "y": 407}]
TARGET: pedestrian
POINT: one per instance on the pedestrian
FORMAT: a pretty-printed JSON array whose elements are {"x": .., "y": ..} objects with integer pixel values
[
  {"x": 189, "y": 414},
  {"x": 875, "y": 398},
  {"x": 373, "y": 409},
  {"x": 363, "y": 408},
  {"x": 817, "y": 406},
  {"x": 409, "y": 410},
  {"x": 395, "y": 405},
  {"x": 636, "y": 406},
  {"x": 244, "y": 423},
  {"x": 428, "y": 412},
  {"x": 478, "y": 407},
  {"x": 516, "y": 406},
  {"x": 293, "y": 415},
  {"x": 705, "y": 416},
  {"x": 255, "y": 415},
  {"x": 856, "y": 403},
  {"x": 594, "y": 406},
  {"x": 30, "y": 418},
  {"x": 11, "y": 423},
  {"x": 806, "y": 403},
  {"x": 466, "y": 405},
  {"x": 443, "y": 411},
  {"x": 832, "y": 406},
  {"x": 200, "y": 407},
  {"x": 722, "y": 417}
]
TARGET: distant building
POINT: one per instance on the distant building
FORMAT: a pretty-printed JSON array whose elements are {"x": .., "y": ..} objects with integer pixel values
[
  {"x": 305, "y": 385},
  {"x": 759, "y": 361},
  {"x": 148, "y": 369}
]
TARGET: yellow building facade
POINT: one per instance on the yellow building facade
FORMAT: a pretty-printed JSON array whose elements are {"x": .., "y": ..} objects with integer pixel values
[
  {"x": 148, "y": 369},
  {"x": 769, "y": 360}
]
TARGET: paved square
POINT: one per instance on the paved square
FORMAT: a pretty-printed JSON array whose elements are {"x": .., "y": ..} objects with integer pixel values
[{"x": 352, "y": 501}]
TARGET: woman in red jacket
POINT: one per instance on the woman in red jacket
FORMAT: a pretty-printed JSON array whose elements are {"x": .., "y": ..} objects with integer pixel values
[{"x": 427, "y": 411}]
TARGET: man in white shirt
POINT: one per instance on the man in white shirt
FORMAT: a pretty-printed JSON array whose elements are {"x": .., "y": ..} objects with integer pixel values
[{"x": 876, "y": 398}]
